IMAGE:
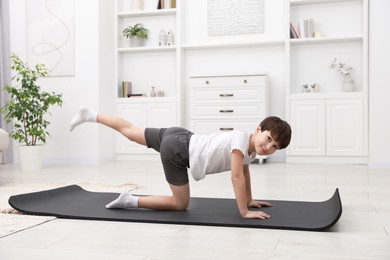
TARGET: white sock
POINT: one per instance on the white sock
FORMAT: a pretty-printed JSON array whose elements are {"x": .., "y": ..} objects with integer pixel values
[
  {"x": 125, "y": 200},
  {"x": 82, "y": 116}
]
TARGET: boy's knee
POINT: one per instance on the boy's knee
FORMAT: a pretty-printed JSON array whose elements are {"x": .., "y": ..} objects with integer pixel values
[{"x": 181, "y": 206}]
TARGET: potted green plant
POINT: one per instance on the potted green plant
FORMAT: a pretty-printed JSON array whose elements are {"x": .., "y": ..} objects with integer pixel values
[
  {"x": 137, "y": 34},
  {"x": 26, "y": 110}
]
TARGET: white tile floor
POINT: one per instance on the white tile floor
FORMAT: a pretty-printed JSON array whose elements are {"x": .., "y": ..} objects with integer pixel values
[{"x": 361, "y": 233}]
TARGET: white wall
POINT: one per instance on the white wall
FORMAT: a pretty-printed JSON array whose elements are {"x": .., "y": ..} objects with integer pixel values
[
  {"x": 90, "y": 86},
  {"x": 92, "y": 83},
  {"x": 379, "y": 88},
  {"x": 106, "y": 75}
]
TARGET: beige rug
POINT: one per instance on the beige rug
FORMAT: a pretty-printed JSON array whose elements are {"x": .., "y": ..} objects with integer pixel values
[{"x": 12, "y": 221}]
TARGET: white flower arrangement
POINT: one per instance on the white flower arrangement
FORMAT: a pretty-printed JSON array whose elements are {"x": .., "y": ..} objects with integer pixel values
[{"x": 341, "y": 68}]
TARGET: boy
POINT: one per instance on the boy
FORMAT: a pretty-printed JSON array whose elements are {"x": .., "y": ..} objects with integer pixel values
[{"x": 181, "y": 149}]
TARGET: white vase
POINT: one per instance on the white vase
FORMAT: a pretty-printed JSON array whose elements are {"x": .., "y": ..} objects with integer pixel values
[
  {"x": 136, "y": 41},
  {"x": 31, "y": 157},
  {"x": 153, "y": 92},
  {"x": 348, "y": 84}
]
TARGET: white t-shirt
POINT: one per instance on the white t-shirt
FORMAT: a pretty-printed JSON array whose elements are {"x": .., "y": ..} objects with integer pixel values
[{"x": 211, "y": 153}]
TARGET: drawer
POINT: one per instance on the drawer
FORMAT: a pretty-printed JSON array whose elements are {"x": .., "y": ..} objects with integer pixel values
[
  {"x": 228, "y": 81},
  {"x": 228, "y": 111},
  {"x": 228, "y": 94},
  {"x": 205, "y": 126}
]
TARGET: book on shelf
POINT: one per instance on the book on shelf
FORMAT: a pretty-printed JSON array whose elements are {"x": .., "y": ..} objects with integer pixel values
[
  {"x": 294, "y": 34},
  {"x": 166, "y": 4},
  {"x": 136, "y": 95},
  {"x": 306, "y": 28}
]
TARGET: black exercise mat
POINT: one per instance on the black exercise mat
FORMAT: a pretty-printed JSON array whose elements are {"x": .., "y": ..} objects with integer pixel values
[{"x": 76, "y": 203}]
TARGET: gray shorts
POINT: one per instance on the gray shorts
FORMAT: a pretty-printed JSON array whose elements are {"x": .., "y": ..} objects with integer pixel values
[{"x": 173, "y": 146}]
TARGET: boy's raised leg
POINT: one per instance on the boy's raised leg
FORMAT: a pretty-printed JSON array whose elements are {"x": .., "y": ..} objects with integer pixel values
[
  {"x": 130, "y": 131},
  {"x": 82, "y": 116}
]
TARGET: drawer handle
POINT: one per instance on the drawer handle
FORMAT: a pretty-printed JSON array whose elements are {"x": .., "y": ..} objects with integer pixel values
[
  {"x": 245, "y": 81},
  {"x": 226, "y": 95},
  {"x": 226, "y": 111},
  {"x": 226, "y": 129},
  {"x": 207, "y": 82}
]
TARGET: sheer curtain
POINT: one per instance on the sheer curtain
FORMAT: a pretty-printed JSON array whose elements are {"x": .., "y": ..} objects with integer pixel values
[{"x": 5, "y": 72}]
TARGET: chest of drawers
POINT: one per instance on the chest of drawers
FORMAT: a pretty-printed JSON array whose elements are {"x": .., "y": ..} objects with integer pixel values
[{"x": 227, "y": 102}]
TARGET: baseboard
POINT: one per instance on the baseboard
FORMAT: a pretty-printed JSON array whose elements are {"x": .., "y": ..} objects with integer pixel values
[
  {"x": 328, "y": 159},
  {"x": 379, "y": 166}
]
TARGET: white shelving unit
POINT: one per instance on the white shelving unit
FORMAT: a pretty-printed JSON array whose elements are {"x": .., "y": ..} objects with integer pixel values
[
  {"x": 147, "y": 66},
  {"x": 317, "y": 117}
]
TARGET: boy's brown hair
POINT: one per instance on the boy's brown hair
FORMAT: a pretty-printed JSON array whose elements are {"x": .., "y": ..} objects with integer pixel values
[{"x": 280, "y": 130}]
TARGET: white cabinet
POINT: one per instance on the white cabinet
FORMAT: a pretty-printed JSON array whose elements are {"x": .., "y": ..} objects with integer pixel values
[
  {"x": 227, "y": 102},
  {"x": 135, "y": 114},
  {"x": 307, "y": 120},
  {"x": 326, "y": 128},
  {"x": 143, "y": 114},
  {"x": 345, "y": 127},
  {"x": 161, "y": 114}
]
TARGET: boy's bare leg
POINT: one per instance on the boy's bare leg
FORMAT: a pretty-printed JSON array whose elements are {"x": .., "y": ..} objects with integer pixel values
[
  {"x": 179, "y": 200},
  {"x": 130, "y": 131},
  {"x": 180, "y": 194}
]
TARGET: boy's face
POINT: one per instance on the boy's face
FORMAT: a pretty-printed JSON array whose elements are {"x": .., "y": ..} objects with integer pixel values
[{"x": 264, "y": 144}]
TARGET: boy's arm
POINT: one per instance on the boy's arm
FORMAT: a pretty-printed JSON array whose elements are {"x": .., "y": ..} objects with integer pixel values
[
  {"x": 252, "y": 203},
  {"x": 239, "y": 186},
  {"x": 248, "y": 184}
]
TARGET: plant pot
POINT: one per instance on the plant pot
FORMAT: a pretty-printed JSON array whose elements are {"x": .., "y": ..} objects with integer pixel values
[
  {"x": 30, "y": 157},
  {"x": 348, "y": 84},
  {"x": 136, "y": 41}
]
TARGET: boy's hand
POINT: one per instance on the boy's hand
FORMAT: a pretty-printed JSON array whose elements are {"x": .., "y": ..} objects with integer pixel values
[
  {"x": 256, "y": 214},
  {"x": 259, "y": 204}
]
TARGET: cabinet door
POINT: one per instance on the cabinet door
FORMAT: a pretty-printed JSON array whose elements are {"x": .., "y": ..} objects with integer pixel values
[
  {"x": 345, "y": 127},
  {"x": 136, "y": 114},
  {"x": 308, "y": 127},
  {"x": 161, "y": 115}
]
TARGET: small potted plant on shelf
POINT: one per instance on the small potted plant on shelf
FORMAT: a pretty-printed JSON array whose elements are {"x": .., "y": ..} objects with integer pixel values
[
  {"x": 137, "y": 34},
  {"x": 26, "y": 110},
  {"x": 345, "y": 71}
]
